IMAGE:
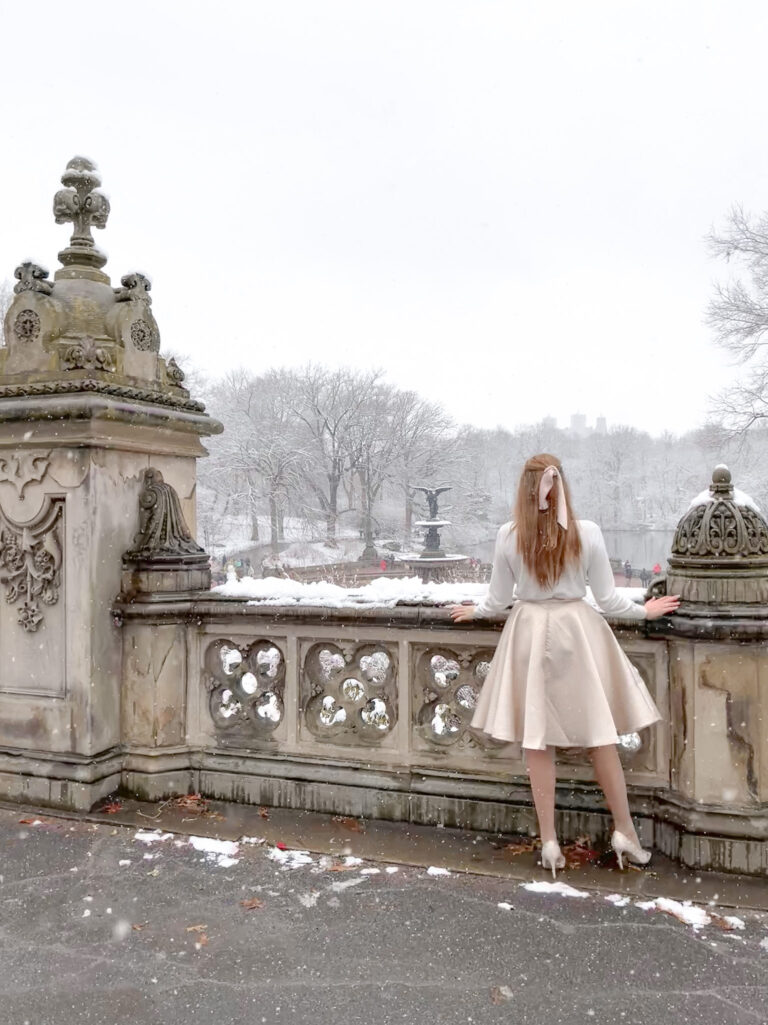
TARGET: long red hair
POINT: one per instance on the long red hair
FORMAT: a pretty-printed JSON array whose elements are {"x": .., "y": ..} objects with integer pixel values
[{"x": 545, "y": 547}]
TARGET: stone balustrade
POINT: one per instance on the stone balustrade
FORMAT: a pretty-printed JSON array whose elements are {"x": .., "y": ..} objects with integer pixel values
[{"x": 367, "y": 712}]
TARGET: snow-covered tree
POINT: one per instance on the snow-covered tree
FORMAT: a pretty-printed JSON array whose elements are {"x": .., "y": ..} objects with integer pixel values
[{"x": 738, "y": 315}]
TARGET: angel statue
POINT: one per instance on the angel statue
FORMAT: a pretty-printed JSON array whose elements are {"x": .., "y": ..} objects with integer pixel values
[{"x": 432, "y": 496}]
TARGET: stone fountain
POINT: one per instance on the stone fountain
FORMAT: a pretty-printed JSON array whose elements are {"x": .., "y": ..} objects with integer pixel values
[{"x": 434, "y": 564}]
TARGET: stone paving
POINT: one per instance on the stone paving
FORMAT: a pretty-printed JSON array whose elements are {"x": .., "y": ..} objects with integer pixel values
[{"x": 101, "y": 927}]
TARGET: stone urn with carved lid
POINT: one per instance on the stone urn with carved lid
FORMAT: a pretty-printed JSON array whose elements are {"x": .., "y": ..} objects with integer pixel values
[{"x": 719, "y": 558}]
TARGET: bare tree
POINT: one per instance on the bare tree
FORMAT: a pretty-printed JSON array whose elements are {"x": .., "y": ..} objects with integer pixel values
[
  {"x": 738, "y": 314},
  {"x": 258, "y": 456},
  {"x": 423, "y": 444},
  {"x": 329, "y": 406},
  {"x": 6, "y": 298}
]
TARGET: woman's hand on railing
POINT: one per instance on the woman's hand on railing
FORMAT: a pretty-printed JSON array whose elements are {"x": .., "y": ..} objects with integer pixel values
[
  {"x": 462, "y": 613},
  {"x": 664, "y": 606}
]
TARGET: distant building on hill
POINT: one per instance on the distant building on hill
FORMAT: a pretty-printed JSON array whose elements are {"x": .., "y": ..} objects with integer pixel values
[{"x": 581, "y": 429}]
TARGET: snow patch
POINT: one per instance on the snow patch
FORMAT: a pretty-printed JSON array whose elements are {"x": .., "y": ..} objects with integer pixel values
[
  {"x": 617, "y": 900},
  {"x": 433, "y": 870},
  {"x": 309, "y": 899},
  {"x": 505, "y": 906},
  {"x": 734, "y": 922},
  {"x": 344, "y": 884},
  {"x": 562, "y": 888},
  {"x": 683, "y": 911},
  {"x": 218, "y": 852},
  {"x": 382, "y": 592},
  {"x": 289, "y": 859},
  {"x": 151, "y": 836}
]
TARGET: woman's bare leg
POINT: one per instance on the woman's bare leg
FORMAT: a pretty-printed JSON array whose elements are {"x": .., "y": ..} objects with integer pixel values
[
  {"x": 610, "y": 775},
  {"x": 541, "y": 769}
]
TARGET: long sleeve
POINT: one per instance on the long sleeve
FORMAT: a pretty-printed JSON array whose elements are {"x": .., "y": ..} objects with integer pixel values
[
  {"x": 600, "y": 577},
  {"x": 501, "y": 588}
]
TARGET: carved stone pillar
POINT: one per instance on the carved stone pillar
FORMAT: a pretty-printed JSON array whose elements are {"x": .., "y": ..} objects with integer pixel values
[
  {"x": 86, "y": 404},
  {"x": 718, "y": 659}
]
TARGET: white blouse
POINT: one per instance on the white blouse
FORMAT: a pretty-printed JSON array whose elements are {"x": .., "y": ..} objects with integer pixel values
[{"x": 512, "y": 579}]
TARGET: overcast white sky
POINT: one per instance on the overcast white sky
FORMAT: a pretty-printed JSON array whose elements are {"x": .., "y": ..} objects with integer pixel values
[{"x": 500, "y": 203}]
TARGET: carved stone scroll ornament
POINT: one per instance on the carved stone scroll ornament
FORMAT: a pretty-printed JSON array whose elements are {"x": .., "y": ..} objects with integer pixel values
[
  {"x": 30, "y": 562},
  {"x": 32, "y": 278},
  {"x": 87, "y": 355},
  {"x": 23, "y": 468},
  {"x": 136, "y": 288},
  {"x": 143, "y": 330},
  {"x": 163, "y": 533},
  {"x": 175, "y": 373}
]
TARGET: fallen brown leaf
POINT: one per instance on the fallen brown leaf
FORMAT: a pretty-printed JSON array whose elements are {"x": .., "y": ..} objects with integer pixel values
[
  {"x": 27, "y": 822},
  {"x": 136, "y": 927},
  {"x": 349, "y": 823},
  {"x": 339, "y": 866},
  {"x": 192, "y": 802},
  {"x": 521, "y": 847},
  {"x": 197, "y": 928},
  {"x": 201, "y": 941},
  {"x": 264, "y": 813},
  {"x": 252, "y": 904}
]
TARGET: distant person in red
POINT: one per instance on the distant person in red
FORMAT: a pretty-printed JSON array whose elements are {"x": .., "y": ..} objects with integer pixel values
[
  {"x": 383, "y": 565},
  {"x": 656, "y": 569}
]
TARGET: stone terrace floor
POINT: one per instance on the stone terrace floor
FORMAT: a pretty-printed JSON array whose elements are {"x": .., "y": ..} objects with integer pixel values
[{"x": 101, "y": 927}]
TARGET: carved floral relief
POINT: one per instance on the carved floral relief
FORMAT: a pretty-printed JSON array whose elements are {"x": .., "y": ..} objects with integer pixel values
[{"x": 31, "y": 562}]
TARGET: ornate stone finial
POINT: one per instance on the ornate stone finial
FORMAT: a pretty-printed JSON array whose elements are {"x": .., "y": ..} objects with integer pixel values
[
  {"x": 720, "y": 551},
  {"x": 136, "y": 287},
  {"x": 80, "y": 203},
  {"x": 721, "y": 481},
  {"x": 31, "y": 278},
  {"x": 163, "y": 534}
]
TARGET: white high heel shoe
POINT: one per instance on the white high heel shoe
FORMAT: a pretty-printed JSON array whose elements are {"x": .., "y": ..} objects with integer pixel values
[
  {"x": 552, "y": 857},
  {"x": 622, "y": 845}
]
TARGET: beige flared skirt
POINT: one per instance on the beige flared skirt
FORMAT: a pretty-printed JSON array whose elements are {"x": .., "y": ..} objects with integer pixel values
[{"x": 560, "y": 678}]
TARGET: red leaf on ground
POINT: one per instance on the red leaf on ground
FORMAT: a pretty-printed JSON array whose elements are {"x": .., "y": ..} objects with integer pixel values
[
  {"x": 281, "y": 846},
  {"x": 580, "y": 852},
  {"x": 110, "y": 807}
]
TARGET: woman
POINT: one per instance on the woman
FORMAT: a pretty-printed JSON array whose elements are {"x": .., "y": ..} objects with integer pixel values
[{"x": 559, "y": 677}]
